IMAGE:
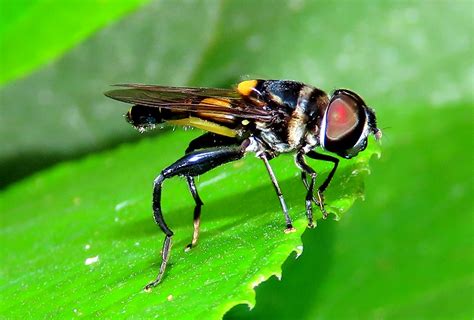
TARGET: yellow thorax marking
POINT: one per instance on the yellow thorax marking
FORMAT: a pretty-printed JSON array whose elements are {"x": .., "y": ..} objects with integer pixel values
[{"x": 246, "y": 87}]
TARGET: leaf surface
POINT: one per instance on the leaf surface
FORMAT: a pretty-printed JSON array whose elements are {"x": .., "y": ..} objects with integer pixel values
[{"x": 79, "y": 238}]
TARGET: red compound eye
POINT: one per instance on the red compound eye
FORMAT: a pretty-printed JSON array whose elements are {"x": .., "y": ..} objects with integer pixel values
[{"x": 341, "y": 119}]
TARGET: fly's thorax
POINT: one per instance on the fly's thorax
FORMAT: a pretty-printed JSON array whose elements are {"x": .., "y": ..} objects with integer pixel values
[
  {"x": 311, "y": 138},
  {"x": 275, "y": 139},
  {"x": 295, "y": 107},
  {"x": 273, "y": 135},
  {"x": 256, "y": 145},
  {"x": 280, "y": 95},
  {"x": 296, "y": 127},
  {"x": 316, "y": 111},
  {"x": 304, "y": 123},
  {"x": 299, "y": 117}
]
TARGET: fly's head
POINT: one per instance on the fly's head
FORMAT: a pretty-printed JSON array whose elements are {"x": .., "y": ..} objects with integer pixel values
[{"x": 346, "y": 123}]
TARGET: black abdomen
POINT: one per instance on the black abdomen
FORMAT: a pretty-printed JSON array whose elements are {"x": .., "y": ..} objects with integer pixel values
[{"x": 144, "y": 117}]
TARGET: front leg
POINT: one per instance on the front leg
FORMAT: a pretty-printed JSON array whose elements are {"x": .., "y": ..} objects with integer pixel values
[
  {"x": 289, "y": 224},
  {"x": 320, "y": 193},
  {"x": 319, "y": 198},
  {"x": 318, "y": 156},
  {"x": 304, "y": 179},
  {"x": 305, "y": 169}
]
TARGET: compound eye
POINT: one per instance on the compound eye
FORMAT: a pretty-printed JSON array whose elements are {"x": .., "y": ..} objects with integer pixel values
[{"x": 341, "y": 119}]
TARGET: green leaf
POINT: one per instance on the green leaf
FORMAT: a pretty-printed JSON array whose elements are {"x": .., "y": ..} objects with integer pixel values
[
  {"x": 35, "y": 32},
  {"x": 406, "y": 252},
  {"x": 79, "y": 239}
]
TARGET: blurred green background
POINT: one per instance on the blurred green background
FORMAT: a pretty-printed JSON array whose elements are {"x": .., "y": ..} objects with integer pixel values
[{"x": 404, "y": 252}]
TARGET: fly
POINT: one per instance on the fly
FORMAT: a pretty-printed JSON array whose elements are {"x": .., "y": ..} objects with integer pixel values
[{"x": 264, "y": 117}]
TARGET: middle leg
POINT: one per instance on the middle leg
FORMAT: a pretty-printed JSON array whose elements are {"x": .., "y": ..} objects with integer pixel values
[{"x": 289, "y": 224}]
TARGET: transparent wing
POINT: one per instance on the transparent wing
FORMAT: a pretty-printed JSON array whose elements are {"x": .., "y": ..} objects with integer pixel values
[{"x": 189, "y": 99}]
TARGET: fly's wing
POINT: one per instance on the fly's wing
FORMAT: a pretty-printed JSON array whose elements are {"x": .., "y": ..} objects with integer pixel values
[
  {"x": 221, "y": 111},
  {"x": 183, "y": 91},
  {"x": 188, "y": 99}
]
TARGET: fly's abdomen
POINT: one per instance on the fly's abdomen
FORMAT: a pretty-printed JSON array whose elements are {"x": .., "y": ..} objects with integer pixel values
[{"x": 144, "y": 118}]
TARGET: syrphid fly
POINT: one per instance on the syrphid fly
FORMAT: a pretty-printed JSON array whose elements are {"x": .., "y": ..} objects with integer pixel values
[{"x": 264, "y": 117}]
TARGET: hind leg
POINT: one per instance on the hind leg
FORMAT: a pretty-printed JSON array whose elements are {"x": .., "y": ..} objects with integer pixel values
[
  {"x": 191, "y": 165},
  {"x": 197, "y": 213},
  {"x": 207, "y": 140}
]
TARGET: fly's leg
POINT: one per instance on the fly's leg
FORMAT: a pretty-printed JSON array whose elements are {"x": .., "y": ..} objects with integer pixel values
[
  {"x": 309, "y": 187},
  {"x": 191, "y": 165},
  {"x": 305, "y": 169},
  {"x": 304, "y": 178},
  {"x": 211, "y": 140},
  {"x": 158, "y": 216},
  {"x": 289, "y": 224},
  {"x": 324, "y": 185},
  {"x": 197, "y": 212},
  {"x": 207, "y": 140}
]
